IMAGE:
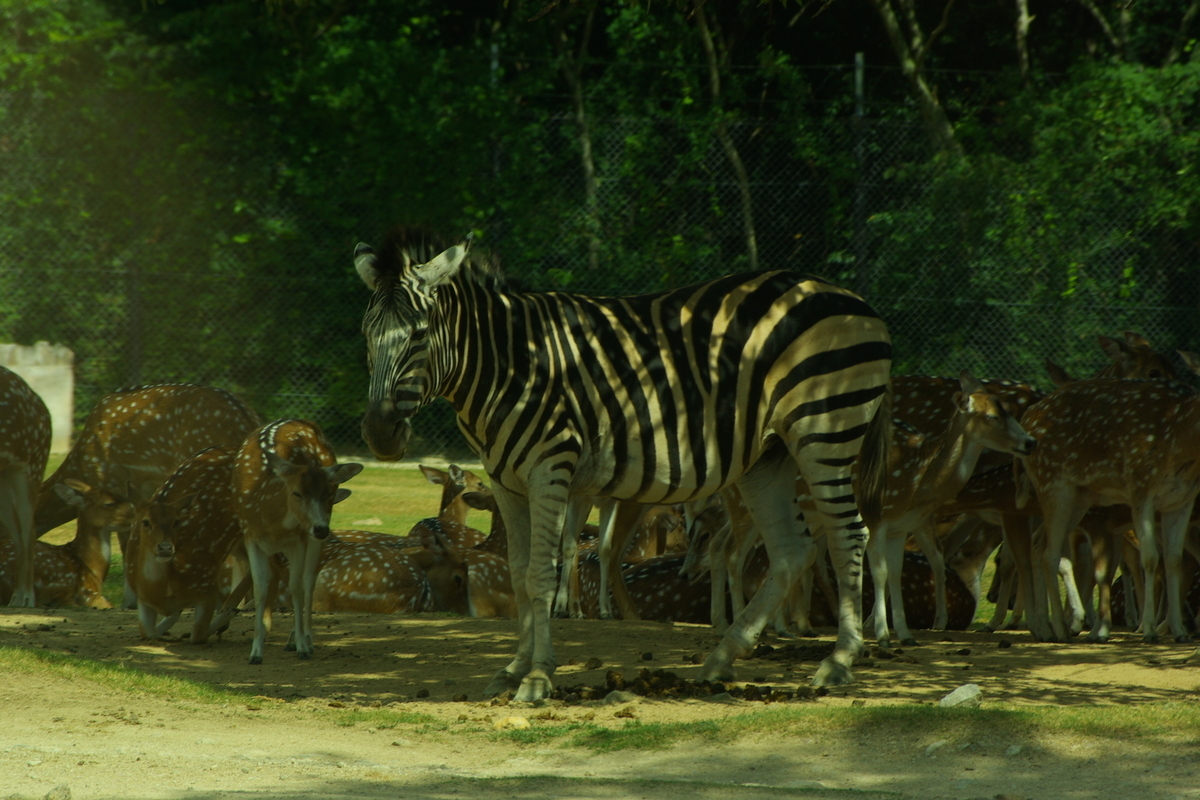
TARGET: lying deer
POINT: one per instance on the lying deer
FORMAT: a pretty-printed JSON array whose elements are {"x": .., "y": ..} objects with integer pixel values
[
  {"x": 286, "y": 481},
  {"x": 451, "y": 520},
  {"x": 72, "y": 574}
]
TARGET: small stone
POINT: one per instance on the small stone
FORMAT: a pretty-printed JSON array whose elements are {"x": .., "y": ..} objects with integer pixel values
[
  {"x": 1004, "y": 644},
  {"x": 721, "y": 697},
  {"x": 626, "y": 713},
  {"x": 459, "y": 698},
  {"x": 617, "y": 696},
  {"x": 60, "y": 792},
  {"x": 1012, "y": 750},
  {"x": 593, "y": 663},
  {"x": 858, "y": 703},
  {"x": 511, "y": 724},
  {"x": 933, "y": 748},
  {"x": 423, "y": 693},
  {"x": 647, "y": 656},
  {"x": 966, "y": 696}
]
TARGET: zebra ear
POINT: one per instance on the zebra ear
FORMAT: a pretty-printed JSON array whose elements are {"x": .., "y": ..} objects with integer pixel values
[
  {"x": 442, "y": 267},
  {"x": 364, "y": 262}
]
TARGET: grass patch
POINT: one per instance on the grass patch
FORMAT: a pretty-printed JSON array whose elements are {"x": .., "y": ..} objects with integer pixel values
[
  {"x": 1175, "y": 721},
  {"x": 116, "y": 677},
  {"x": 380, "y": 718}
]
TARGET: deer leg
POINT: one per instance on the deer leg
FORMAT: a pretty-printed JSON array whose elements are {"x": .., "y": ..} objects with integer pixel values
[
  {"x": 927, "y": 541},
  {"x": 1104, "y": 563},
  {"x": 1063, "y": 512},
  {"x": 1066, "y": 571},
  {"x": 566, "y": 600},
  {"x": 719, "y": 574},
  {"x": 202, "y": 620},
  {"x": 894, "y": 550},
  {"x": 877, "y": 552},
  {"x": 1174, "y": 527},
  {"x": 309, "y": 553},
  {"x": 628, "y": 517},
  {"x": 260, "y": 572},
  {"x": 1143, "y": 523}
]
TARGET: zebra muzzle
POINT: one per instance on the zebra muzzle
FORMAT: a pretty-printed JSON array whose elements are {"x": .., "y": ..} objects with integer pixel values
[{"x": 386, "y": 432}]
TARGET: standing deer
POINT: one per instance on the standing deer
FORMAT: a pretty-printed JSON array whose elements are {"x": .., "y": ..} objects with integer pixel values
[
  {"x": 24, "y": 450},
  {"x": 1108, "y": 442},
  {"x": 286, "y": 482},
  {"x": 924, "y": 473},
  {"x": 180, "y": 538},
  {"x": 139, "y": 436}
]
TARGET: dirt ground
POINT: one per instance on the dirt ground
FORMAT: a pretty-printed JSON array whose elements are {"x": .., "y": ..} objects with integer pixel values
[{"x": 285, "y": 742}]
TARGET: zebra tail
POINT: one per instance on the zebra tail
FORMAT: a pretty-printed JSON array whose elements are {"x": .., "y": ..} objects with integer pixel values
[{"x": 873, "y": 461}]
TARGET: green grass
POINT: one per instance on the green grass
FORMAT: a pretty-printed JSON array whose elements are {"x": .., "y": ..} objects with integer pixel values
[
  {"x": 115, "y": 677},
  {"x": 382, "y": 718}
]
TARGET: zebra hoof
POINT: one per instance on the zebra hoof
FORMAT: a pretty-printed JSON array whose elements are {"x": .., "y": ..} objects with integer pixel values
[
  {"x": 909, "y": 642},
  {"x": 536, "y": 686},
  {"x": 1183, "y": 639},
  {"x": 831, "y": 673},
  {"x": 503, "y": 681},
  {"x": 305, "y": 656},
  {"x": 255, "y": 659},
  {"x": 607, "y": 615}
]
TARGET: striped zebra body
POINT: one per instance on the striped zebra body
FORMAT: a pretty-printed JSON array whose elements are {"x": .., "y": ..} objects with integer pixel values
[{"x": 659, "y": 398}]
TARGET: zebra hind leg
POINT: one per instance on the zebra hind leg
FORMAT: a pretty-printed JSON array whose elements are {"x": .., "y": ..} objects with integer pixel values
[{"x": 769, "y": 491}]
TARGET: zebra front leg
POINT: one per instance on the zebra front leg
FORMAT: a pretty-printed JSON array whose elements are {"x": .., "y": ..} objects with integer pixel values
[{"x": 514, "y": 510}]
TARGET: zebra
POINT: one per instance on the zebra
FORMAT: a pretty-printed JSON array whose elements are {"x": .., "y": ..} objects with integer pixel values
[{"x": 660, "y": 398}]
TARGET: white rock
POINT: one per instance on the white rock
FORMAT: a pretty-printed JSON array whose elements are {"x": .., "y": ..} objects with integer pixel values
[
  {"x": 933, "y": 748},
  {"x": 966, "y": 696}
]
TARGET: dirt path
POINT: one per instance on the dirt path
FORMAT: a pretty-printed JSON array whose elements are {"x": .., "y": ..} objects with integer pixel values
[{"x": 291, "y": 737}]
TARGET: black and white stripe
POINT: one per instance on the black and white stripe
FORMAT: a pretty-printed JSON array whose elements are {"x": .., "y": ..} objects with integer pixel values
[{"x": 657, "y": 398}]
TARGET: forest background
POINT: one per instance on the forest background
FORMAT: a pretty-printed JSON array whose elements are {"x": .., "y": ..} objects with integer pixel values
[{"x": 182, "y": 183}]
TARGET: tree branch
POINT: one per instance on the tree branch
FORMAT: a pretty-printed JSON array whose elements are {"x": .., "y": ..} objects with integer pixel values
[
  {"x": 1117, "y": 44},
  {"x": 933, "y": 36},
  {"x": 1023, "y": 39},
  {"x": 1177, "y": 46}
]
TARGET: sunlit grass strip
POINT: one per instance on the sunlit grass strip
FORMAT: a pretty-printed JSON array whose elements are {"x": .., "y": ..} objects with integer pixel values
[
  {"x": 1177, "y": 722},
  {"x": 117, "y": 676},
  {"x": 382, "y": 718}
]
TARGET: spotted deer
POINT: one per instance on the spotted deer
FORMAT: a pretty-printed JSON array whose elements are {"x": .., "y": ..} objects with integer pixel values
[
  {"x": 24, "y": 450},
  {"x": 180, "y": 538},
  {"x": 285, "y": 483},
  {"x": 925, "y": 472},
  {"x": 1110, "y": 442},
  {"x": 140, "y": 435},
  {"x": 489, "y": 579},
  {"x": 451, "y": 520},
  {"x": 366, "y": 573},
  {"x": 72, "y": 574}
]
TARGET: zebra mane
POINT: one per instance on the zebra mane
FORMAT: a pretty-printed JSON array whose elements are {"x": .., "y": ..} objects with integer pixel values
[{"x": 407, "y": 246}]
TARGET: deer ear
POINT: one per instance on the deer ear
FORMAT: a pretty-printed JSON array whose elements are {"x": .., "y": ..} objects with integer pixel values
[
  {"x": 456, "y": 474},
  {"x": 969, "y": 383},
  {"x": 280, "y": 466},
  {"x": 961, "y": 401},
  {"x": 340, "y": 473},
  {"x": 340, "y": 495},
  {"x": 1113, "y": 348},
  {"x": 364, "y": 264},
  {"x": 433, "y": 475},
  {"x": 70, "y": 495},
  {"x": 1058, "y": 376},
  {"x": 1135, "y": 339},
  {"x": 1192, "y": 360}
]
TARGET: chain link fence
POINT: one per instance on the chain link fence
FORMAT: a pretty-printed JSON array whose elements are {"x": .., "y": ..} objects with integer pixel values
[{"x": 153, "y": 264}]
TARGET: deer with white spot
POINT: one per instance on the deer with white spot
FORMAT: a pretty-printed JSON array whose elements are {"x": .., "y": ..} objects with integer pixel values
[
  {"x": 451, "y": 520},
  {"x": 72, "y": 574},
  {"x": 180, "y": 538},
  {"x": 140, "y": 435},
  {"x": 360, "y": 571},
  {"x": 1109, "y": 442},
  {"x": 924, "y": 473},
  {"x": 286, "y": 482},
  {"x": 24, "y": 450}
]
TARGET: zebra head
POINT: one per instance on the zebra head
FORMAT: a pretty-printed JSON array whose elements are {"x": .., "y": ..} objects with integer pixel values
[{"x": 403, "y": 280}]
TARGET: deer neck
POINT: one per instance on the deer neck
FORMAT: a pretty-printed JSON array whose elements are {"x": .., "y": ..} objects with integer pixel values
[
  {"x": 948, "y": 462},
  {"x": 92, "y": 547},
  {"x": 497, "y": 540},
  {"x": 454, "y": 510}
]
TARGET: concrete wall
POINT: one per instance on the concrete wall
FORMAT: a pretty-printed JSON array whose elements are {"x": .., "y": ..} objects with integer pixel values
[{"x": 50, "y": 371}]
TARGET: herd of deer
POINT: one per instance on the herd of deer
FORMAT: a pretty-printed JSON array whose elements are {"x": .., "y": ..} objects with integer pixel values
[{"x": 207, "y": 504}]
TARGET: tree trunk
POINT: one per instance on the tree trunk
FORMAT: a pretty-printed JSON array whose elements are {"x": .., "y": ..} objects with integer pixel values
[
  {"x": 572, "y": 69},
  {"x": 727, "y": 143},
  {"x": 1023, "y": 39},
  {"x": 911, "y": 57}
]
